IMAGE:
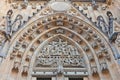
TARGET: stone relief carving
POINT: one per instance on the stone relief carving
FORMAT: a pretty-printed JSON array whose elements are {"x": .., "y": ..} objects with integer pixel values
[
  {"x": 59, "y": 51},
  {"x": 60, "y": 31},
  {"x": 94, "y": 5},
  {"x": 113, "y": 37},
  {"x": 8, "y": 18},
  {"x": 112, "y": 34},
  {"x": 94, "y": 70},
  {"x": 60, "y": 69},
  {"x": 17, "y": 23},
  {"x": 3, "y": 40},
  {"x": 104, "y": 67},
  {"x": 111, "y": 19},
  {"x": 102, "y": 25},
  {"x": 59, "y": 23},
  {"x": 12, "y": 26},
  {"x": 108, "y": 30}
]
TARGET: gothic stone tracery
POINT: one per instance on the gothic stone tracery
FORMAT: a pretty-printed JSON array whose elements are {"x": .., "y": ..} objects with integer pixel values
[{"x": 78, "y": 39}]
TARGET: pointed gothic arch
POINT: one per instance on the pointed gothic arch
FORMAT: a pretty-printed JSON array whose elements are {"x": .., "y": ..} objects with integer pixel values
[{"x": 25, "y": 43}]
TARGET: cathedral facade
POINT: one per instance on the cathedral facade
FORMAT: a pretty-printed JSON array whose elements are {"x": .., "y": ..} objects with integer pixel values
[{"x": 59, "y": 40}]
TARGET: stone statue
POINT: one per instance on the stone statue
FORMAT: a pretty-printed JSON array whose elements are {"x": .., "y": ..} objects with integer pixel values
[
  {"x": 12, "y": 26},
  {"x": 111, "y": 19},
  {"x": 17, "y": 23},
  {"x": 113, "y": 37},
  {"x": 107, "y": 29},
  {"x": 102, "y": 25},
  {"x": 9, "y": 27}
]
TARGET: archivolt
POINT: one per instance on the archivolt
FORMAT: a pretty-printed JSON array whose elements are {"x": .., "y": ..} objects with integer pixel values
[{"x": 26, "y": 42}]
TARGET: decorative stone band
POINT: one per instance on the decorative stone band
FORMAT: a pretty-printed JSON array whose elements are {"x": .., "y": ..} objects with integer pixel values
[{"x": 81, "y": 72}]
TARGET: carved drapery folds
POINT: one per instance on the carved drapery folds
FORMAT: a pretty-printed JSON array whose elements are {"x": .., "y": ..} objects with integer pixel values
[
  {"x": 113, "y": 37},
  {"x": 12, "y": 26},
  {"x": 59, "y": 23},
  {"x": 102, "y": 25},
  {"x": 59, "y": 51}
]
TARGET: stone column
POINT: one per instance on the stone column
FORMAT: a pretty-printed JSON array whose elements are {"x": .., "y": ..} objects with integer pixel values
[
  {"x": 53, "y": 78},
  {"x": 66, "y": 78},
  {"x": 85, "y": 78},
  {"x": 60, "y": 77},
  {"x": 34, "y": 78}
]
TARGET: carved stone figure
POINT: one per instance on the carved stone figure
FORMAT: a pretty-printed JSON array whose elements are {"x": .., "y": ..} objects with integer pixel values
[
  {"x": 60, "y": 52},
  {"x": 8, "y": 18},
  {"x": 113, "y": 37},
  {"x": 111, "y": 19},
  {"x": 12, "y": 26},
  {"x": 102, "y": 25},
  {"x": 94, "y": 70},
  {"x": 17, "y": 23},
  {"x": 94, "y": 4}
]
